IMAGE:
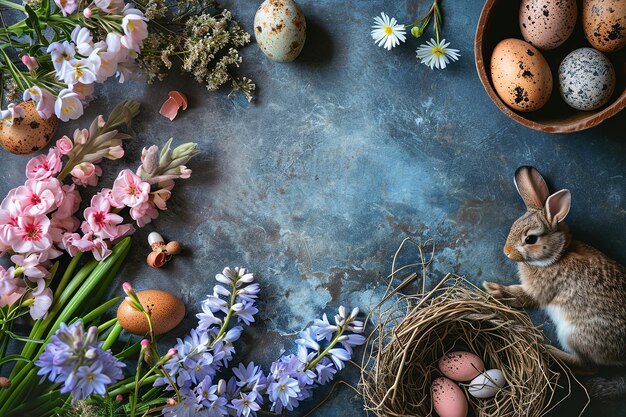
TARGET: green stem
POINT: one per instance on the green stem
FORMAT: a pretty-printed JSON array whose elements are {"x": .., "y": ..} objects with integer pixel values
[
  {"x": 12, "y": 5},
  {"x": 325, "y": 351},
  {"x": 124, "y": 389},
  {"x": 112, "y": 337},
  {"x": 228, "y": 316},
  {"x": 69, "y": 272}
]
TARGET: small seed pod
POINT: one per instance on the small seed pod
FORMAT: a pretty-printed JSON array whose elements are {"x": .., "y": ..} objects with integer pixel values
[
  {"x": 174, "y": 247},
  {"x": 157, "y": 259},
  {"x": 5, "y": 383}
]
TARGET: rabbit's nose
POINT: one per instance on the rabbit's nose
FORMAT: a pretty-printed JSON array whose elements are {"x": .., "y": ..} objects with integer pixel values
[{"x": 507, "y": 251}]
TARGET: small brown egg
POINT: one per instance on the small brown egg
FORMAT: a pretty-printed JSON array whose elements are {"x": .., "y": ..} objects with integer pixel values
[
  {"x": 27, "y": 134},
  {"x": 520, "y": 75},
  {"x": 546, "y": 24},
  {"x": 604, "y": 23},
  {"x": 173, "y": 248},
  {"x": 166, "y": 312}
]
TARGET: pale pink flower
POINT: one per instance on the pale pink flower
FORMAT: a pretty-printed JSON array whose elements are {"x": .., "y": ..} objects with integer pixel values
[
  {"x": 44, "y": 100},
  {"x": 108, "y": 194},
  {"x": 86, "y": 174},
  {"x": 61, "y": 225},
  {"x": 130, "y": 190},
  {"x": 44, "y": 166},
  {"x": 67, "y": 6},
  {"x": 70, "y": 203},
  {"x": 135, "y": 29},
  {"x": 74, "y": 243},
  {"x": 11, "y": 288},
  {"x": 65, "y": 145},
  {"x": 68, "y": 105},
  {"x": 30, "y": 234},
  {"x": 110, "y": 6},
  {"x": 84, "y": 91},
  {"x": 41, "y": 305},
  {"x": 99, "y": 219},
  {"x": 184, "y": 172},
  {"x": 31, "y": 265},
  {"x": 160, "y": 197},
  {"x": 100, "y": 249},
  {"x": 39, "y": 197},
  {"x": 144, "y": 213}
]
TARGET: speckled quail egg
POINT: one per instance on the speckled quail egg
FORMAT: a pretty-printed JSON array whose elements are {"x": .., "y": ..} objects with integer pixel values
[
  {"x": 586, "y": 79},
  {"x": 166, "y": 312},
  {"x": 280, "y": 29},
  {"x": 546, "y": 24},
  {"x": 604, "y": 23},
  {"x": 29, "y": 133}
]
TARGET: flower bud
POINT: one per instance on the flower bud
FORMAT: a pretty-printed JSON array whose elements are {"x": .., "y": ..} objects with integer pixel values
[
  {"x": 30, "y": 62},
  {"x": 150, "y": 159},
  {"x": 144, "y": 343},
  {"x": 91, "y": 353},
  {"x": 92, "y": 334},
  {"x": 87, "y": 13},
  {"x": 128, "y": 289},
  {"x": 171, "y": 352},
  {"x": 221, "y": 387},
  {"x": 417, "y": 31},
  {"x": 5, "y": 383},
  {"x": 81, "y": 137},
  {"x": 119, "y": 397},
  {"x": 171, "y": 401},
  {"x": 65, "y": 145}
]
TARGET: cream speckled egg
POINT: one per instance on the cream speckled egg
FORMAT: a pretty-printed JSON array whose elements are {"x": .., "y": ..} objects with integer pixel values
[
  {"x": 604, "y": 23},
  {"x": 546, "y": 24},
  {"x": 166, "y": 312},
  {"x": 29, "y": 133},
  {"x": 280, "y": 29},
  {"x": 461, "y": 366},
  {"x": 520, "y": 75},
  {"x": 586, "y": 79},
  {"x": 447, "y": 398}
]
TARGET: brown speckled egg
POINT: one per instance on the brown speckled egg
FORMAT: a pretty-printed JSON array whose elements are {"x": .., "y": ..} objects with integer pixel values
[
  {"x": 520, "y": 75},
  {"x": 166, "y": 312},
  {"x": 546, "y": 24},
  {"x": 27, "y": 134},
  {"x": 447, "y": 398},
  {"x": 461, "y": 366},
  {"x": 280, "y": 29},
  {"x": 604, "y": 22}
]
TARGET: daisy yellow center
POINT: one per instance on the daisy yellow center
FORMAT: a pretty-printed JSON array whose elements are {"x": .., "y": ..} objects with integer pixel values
[
  {"x": 437, "y": 51},
  {"x": 388, "y": 30}
]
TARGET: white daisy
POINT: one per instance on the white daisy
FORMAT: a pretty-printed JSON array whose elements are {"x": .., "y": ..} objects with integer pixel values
[
  {"x": 437, "y": 54},
  {"x": 387, "y": 31}
]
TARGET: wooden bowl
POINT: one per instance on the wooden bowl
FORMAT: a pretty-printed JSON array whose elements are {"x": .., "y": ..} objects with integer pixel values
[{"x": 499, "y": 20}]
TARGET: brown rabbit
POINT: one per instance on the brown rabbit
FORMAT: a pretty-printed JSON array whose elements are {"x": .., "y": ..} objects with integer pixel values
[{"x": 581, "y": 289}]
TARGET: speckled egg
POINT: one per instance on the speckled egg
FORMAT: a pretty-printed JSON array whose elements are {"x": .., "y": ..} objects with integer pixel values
[
  {"x": 447, "y": 398},
  {"x": 520, "y": 75},
  {"x": 586, "y": 79},
  {"x": 461, "y": 366},
  {"x": 280, "y": 29},
  {"x": 27, "y": 134},
  {"x": 546, "y": 24},
  {"x": 487, "y": 384},
  {"x": 604, "y": 22},
  {"x": 166, "y": 311}
]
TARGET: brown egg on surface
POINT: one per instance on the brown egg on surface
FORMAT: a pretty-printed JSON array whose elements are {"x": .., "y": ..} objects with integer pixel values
[
  {"x": 166, "y": 312},
  {"x": 29, "y": 133},
  {"x": 448, "y": 399},
  {"x": 520, "y": 74},
  {"x": 461, "y": 366},
  {"x": 604, "y": 23},
  {"x": 546, "y": 24},
  {"x": 280, "y": 29}
]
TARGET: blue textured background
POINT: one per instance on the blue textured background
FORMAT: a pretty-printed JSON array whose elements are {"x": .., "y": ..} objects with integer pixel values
[{"x": 344, "y": 153}]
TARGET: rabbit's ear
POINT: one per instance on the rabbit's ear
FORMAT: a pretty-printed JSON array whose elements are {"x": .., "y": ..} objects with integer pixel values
[
  {"x": 531, "y": 187},
  {"x": 558, "y": 205}
]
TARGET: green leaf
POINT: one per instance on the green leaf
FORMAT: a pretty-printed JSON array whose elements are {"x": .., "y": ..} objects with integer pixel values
[
  {"x": 23, "y": 338},
  {"x": 13, "y": 358}
]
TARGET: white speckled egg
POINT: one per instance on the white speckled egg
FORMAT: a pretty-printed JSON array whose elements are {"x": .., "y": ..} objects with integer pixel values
[
  {"x": 586, "y": 79},
  {"x": 280, "y": 29},
  {"x": 547, "y": 23},
  {"x": 447, "y": 398},
  {"x": 487, "y": 384}
]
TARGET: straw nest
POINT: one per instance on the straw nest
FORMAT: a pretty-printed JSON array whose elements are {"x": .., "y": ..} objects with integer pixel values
[{"x": 416, "y": 331}]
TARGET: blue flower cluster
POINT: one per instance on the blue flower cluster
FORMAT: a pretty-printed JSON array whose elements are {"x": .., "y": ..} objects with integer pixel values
[
  {"x": 323, "y": 349},
  {"x": 76, "y": 360}
]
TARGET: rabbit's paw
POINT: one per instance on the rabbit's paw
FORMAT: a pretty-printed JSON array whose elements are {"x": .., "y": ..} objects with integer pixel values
[{"x": 497, "y": 291}]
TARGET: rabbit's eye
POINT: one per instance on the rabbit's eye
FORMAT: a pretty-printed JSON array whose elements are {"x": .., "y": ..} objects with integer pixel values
[{"x": 531, "y": 239}]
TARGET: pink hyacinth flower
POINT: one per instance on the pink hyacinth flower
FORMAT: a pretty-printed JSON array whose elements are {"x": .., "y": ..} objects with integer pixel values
[
  {"x": 74, "y": 243},
  {"x": 39, "y": 197},
  {"x": 65, "y": 145},
  {"x": 144, "y": 213},
  {"x": 100, "y": 249},
  {"x": 30, "y": 234},
  {"x": 99, "y": 219},
  {"x": 31, "y": 265},
  {"x": 67, "y": 6},
  {"x": 43, "y": 301},
  {"x": 11, "y": 288},
  {"x": 86, "y": 174},
  {"x": 44, "y": 166},
  {"x": 70, "y": 203},
  {"x": 130, "y": 190}
]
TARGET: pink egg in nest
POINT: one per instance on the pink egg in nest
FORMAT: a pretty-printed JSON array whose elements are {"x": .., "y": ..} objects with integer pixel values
[
  {"x": 461, "y": 366},
  {"x": 448, "y": 399}
]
